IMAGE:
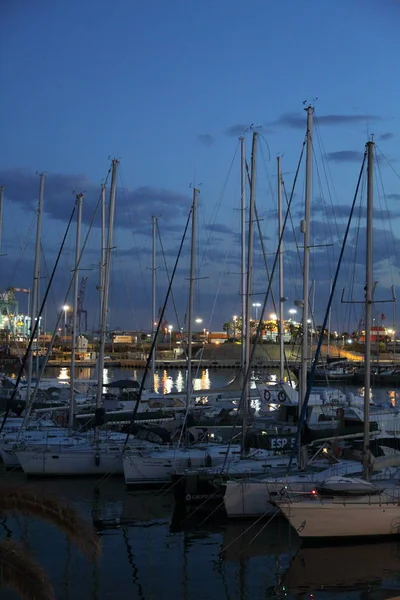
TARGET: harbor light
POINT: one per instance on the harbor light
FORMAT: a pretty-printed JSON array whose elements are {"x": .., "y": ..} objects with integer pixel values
[{"x": 256, "y": 305}]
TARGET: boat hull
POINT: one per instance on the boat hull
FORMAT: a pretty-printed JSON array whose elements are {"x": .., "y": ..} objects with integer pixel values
[
  {"x": 143, "y": 470},
  {"x": 247, "y": 499},
  {"x": 343, "y": 518},
  {"x": 70, "y": 463}
]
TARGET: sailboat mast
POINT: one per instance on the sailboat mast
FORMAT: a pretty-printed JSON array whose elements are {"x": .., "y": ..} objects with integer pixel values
[
  {"x": 107, "y": 270},
  {"x": 329, "y": 321},
  {"x": 252, "y": 212},
  {"x": 191, "y": 298},
  {"x": 243, "y": 248},
  {"x": 79, "y": 201},
  {"x": 368, "y": 303},
  {"x": 103, "y": 245},
  {"x": 36, "y": 280},
  {"x": 305, "y": 230},
  {"x": 281, "y": 298},
  {"x": 153, "y": 300}
]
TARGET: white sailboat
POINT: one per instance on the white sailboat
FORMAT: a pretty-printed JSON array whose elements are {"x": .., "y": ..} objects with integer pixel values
[{"x": 349, "y": 508}]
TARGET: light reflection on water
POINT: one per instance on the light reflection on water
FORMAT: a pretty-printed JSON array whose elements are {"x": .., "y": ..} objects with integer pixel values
[{"x": 174, "y": 380}]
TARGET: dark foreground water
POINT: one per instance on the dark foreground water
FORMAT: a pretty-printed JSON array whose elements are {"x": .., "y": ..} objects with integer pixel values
[{"x": 150, "y": 553}]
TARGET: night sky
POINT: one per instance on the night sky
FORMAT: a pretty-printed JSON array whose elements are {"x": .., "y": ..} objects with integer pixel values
[{"x": 168, "y": 86}]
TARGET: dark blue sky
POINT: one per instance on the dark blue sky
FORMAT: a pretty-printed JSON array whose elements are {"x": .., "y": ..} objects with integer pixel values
[{"x": 167, "y": 86}]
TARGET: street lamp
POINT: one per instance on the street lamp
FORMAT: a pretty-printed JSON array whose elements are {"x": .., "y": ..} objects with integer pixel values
[
  {"x": 65, "y": 309},
  {"x": 234, "y": 325},
  {"x": 170, "y": 336},
  {"x": 292, "y": 311},
  {"x": 256, "y": 306}
]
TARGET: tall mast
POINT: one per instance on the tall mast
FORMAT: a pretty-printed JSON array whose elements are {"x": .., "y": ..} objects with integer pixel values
[
  {"x": 368, "y": 303},
  {"x": 79, "y": 201},
  {"x": 312, "y": 314},
  {"x": 153, "y": 300},
  {"x": 103, "y": 245},
  {"x": 243, "y": 249},
  {"x": 249, "y": 282},
  {"x": 36, "y": 279},
  {"x": 281, "y": 298},
  {"x": 305, "y": 229},
  {"x": 107, "y": 270},
  {"x": 191, "y": 297},
  {"x": 329, "y": 321}
]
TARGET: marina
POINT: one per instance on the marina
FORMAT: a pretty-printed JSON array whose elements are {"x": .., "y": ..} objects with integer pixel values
[{"x": 199, "y": 333}]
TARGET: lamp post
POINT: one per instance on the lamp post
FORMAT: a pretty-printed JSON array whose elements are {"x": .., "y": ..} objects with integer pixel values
[
  {"x": 170, "y": 336},
  {"x": 256, "y": 305},
  {"x": 234, "y": 325},
  {"x": 65, "y": 309}
]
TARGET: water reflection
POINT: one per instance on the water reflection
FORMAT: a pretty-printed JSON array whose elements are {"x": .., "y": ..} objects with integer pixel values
[
  {"x": 344, "y": 568},
  {"x": 202, "y": 382},
  {"x": 64, "y": 374},
  {"x": 151, "y": 551}
]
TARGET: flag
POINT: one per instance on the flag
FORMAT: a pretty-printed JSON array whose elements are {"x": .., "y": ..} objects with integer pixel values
[{"x": 383, "y": 317}]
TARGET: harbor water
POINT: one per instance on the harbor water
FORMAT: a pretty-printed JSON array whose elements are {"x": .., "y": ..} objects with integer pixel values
[{"x": 151, "y": 552}]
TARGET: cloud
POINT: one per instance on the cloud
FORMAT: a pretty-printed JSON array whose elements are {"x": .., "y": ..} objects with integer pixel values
[
  {"x": 218, "y": 228},
  {"x": 345, "y": 156},
  {"x": 206, "y": 139},
  {"x": 342, "y": 211},
  {"x": 236, "y": 130},
  {"x": 134, "y": 207},
  {"x": 386, "y": 136},
  {"x": 298, "y": 121}
]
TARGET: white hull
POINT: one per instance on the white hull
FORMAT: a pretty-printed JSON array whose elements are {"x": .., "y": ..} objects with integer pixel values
[
  {"x": 71, "y": 462},
  {"x": 339, "y": 517},
  {"x": 247, "y": 499},
  {"x": 155, "y": 468},
  {"x": 254, "y": 498}
]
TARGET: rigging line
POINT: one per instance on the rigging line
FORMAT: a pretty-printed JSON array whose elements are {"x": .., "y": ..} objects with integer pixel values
[
  {"x": 289, "y": 212},
  {"x": 259, "y": 326},
  {"x": 326, "y": 170},
  {"x": 352, "y": 278},
  {"x": 36, "y": 325},
  {"x": 61, "y": 313},
  {"x": 222, "y": 275},
  {"x": 167, "y": 273},
  {"x": 329, "y": 181},
  {"x": 218, "y": 205},
  {"x": 46, "y": 269},
  {"x": 153, "y": 343},
  {"x": 123, "y": 190},
  {"x": 22, "y": 250},
  {"x": 264, "y": 254},
  {"x": 128, "y": 293},
  {"x": 303, "y": 413},
  {"x": 388, "y": 161},
  {"x": 265, "y": 163},
  {"x": 378, "y": 167},
  {"x": 327, "y": 222}
]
